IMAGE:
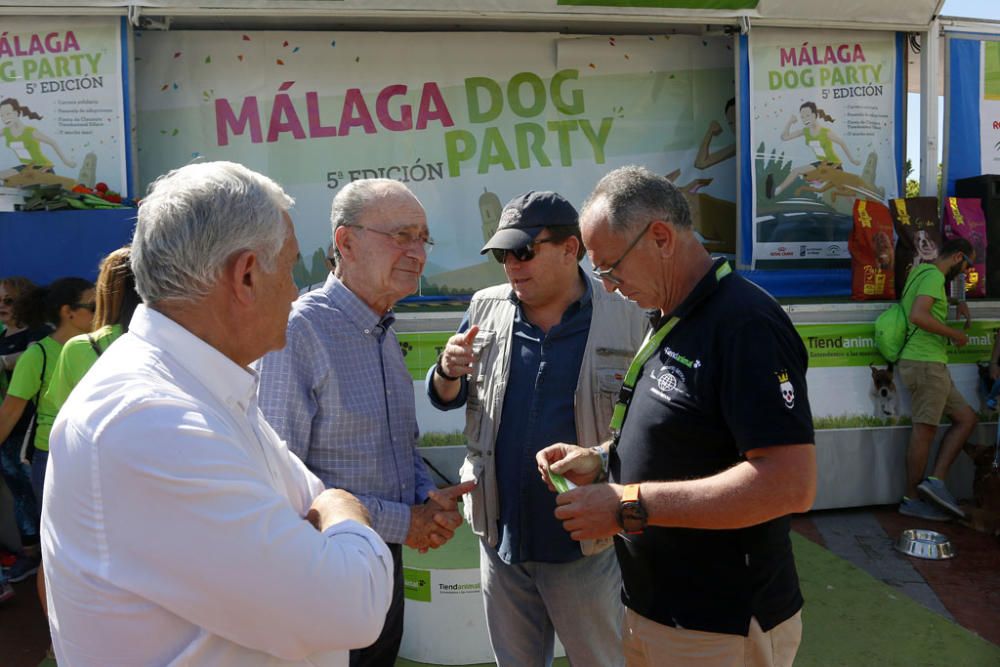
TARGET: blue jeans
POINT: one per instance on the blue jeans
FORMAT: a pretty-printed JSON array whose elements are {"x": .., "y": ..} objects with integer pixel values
[
  {"x": 38, "y": 463},
  {"x": 18, "y": 478},
  {"x": 528, "y": 603}
]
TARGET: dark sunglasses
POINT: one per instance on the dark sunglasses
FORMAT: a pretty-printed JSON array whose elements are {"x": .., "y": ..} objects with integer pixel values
[
  {"x": 92, "y": 306},
  {"x": 523, "y": 254}
]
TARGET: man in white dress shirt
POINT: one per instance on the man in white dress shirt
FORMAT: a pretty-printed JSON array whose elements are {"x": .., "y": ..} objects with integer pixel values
[{"x": 178, "y": 528}]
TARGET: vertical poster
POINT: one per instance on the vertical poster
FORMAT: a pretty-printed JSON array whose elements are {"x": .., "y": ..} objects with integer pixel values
[
  {"x": 823, "y": 114},
  {"x": 62, "y": 114},
  {"x": 467, "y": 121},
  {"x": 989, "y": 112}
]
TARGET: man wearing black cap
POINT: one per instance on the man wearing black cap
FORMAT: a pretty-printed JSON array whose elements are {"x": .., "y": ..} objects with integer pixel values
[{"x": 535, "y": 362}]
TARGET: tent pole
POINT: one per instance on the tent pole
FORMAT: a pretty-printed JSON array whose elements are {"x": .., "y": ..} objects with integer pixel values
[{"x": 930, "y": 58}]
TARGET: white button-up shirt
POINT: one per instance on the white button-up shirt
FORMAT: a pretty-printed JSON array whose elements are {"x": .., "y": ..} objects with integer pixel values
[{"x": 173, "y": 529}]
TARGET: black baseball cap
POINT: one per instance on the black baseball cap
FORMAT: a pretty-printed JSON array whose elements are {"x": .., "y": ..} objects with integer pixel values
[{"x": 526, "y": 215}]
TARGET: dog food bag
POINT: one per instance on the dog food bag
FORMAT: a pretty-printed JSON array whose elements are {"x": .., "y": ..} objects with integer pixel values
[
  {"x": 964, "y": 218},
  {"x": 872, "y": 254},
  {"x": 918, "y": 234}
]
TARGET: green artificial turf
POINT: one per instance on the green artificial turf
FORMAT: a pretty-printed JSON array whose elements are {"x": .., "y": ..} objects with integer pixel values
[{"x": 850, "y": 618}]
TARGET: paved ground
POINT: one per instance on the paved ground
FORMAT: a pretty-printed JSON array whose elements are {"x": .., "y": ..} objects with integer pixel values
[{"x": 865, "y": 603}]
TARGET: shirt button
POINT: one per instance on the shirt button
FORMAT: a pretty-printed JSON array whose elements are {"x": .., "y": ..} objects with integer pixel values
[{"x": 368, "y": 331}]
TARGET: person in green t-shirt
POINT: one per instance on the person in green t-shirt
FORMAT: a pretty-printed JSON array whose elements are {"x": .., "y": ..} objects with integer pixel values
[
  {"x": 116, "y": 302},
  {"x": 923, "y": 367},
  {"x": 69, "y": 302}
]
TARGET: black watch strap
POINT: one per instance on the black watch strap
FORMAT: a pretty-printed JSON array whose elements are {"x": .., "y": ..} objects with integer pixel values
[{"x": 439, "y": 369}]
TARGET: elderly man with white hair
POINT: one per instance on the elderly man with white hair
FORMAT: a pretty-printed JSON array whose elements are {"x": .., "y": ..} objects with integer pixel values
[
  {"x": 177, "y": 527},
  {"x": 340, "y": 393}
]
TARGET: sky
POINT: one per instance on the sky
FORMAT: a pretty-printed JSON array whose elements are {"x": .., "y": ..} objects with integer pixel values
[{"x": 979, "y": 9}]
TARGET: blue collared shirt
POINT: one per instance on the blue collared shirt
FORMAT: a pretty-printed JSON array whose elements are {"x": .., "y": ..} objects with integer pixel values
[
  {"x": 538, "y": 410},
  {"x": 340, "y": 395}
]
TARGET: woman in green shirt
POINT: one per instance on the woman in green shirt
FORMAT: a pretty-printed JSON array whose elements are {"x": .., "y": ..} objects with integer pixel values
[
  {"x": 116, "y": 302},
  {"x": 69, "y": 304}
]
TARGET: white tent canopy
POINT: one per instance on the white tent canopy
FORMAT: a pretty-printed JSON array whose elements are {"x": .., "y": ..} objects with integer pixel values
[{"x": 913, "y": 15}]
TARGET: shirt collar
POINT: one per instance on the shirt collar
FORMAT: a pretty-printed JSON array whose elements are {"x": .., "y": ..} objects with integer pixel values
[
  {"x": 357, "y": 311},
  {"x": 707, "y": 286},
  {"x": 219, "y": 374}
]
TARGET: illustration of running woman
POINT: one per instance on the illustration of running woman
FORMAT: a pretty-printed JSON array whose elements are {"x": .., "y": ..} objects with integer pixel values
[
  {"x": 26, "y": 141},
  {"x": 819, "y": 137},
  {"x": 706, "y": 157}
]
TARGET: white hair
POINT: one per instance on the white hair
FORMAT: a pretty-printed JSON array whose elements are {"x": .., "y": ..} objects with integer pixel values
[
  {"x": 194, "y": 219},
  {"x": 354, "y": 198}
]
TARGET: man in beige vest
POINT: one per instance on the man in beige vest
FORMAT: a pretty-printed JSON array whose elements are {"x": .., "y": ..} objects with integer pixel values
[{"x": 538, "y": 361}]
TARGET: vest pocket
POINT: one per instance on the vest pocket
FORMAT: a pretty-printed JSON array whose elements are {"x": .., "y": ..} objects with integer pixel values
[
  {"x": 473, "y": 418},
  {"x": 607, "y": 382}
]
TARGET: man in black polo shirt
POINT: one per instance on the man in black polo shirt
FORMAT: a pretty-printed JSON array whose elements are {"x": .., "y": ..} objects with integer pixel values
[{"x": 719, "y": 417}]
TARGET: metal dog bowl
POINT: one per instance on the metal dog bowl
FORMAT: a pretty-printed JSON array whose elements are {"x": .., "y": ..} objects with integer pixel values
[{"x": 928, "y": 544}]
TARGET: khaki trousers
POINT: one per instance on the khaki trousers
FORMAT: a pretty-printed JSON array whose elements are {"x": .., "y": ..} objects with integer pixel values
[{"x": 650, "y": 644}]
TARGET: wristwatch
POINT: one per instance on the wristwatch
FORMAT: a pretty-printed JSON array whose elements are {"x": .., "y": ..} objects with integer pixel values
[
  {"x": 632, "y": 515},
  {"x": 439, "y": 369}
]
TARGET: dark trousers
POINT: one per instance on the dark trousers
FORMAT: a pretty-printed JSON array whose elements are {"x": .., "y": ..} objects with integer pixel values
[{"x": 385, "y": 649}]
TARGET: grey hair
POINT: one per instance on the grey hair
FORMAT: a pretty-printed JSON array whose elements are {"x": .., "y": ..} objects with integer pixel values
[
  {"x": 350, "y": 204},
  {"x": 634, "y": 195},
  {"x": 194, "y": 219}
]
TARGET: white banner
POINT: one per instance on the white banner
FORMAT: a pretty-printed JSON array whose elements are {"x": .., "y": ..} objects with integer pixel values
[
  {"x": 61, "y": 102},
  {"x": 467, "y": 121},
  {"x": 823, "y": 134}
]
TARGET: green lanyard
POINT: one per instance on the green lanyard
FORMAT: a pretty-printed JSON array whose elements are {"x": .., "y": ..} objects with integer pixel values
[{"x": 645, "y": 352}]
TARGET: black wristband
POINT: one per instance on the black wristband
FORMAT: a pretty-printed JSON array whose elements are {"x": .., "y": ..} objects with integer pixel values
[{"x": 440, "y": 370}]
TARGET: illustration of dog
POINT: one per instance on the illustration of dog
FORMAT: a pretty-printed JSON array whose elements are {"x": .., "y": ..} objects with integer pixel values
[
  {"x": 927, "y": 250},
  {"x": 712, "y": 218},
  {"x": 843, "y": 183},
  {"x": 883, "y": 250},
  {"x": 883, "y": 393}
]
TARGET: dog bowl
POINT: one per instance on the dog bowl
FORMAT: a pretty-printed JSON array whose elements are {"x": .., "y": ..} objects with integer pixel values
[{"x": 928, "y": 544}]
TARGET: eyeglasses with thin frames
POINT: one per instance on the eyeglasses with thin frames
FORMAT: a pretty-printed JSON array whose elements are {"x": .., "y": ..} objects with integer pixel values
[
  {"x": 606, "y": 274},
  {"x": 522, "y": 254},
  {"x": 91, "y": 306},
  {"x": 403, "y": 239}
]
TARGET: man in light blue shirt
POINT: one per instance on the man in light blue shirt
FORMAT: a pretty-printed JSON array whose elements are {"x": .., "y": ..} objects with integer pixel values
[{"x": 339, "y": 392}]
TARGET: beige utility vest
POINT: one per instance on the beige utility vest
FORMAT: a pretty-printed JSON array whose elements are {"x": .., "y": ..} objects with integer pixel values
[{"x": 617, "y": 329}]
